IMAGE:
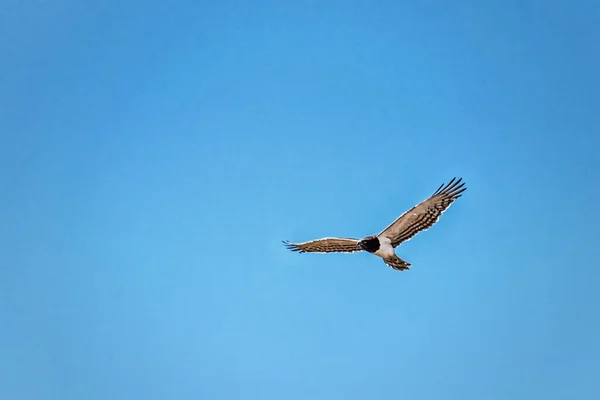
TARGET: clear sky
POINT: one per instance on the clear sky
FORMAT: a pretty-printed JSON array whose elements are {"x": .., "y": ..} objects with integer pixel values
[{"x": 154, "y": 154}]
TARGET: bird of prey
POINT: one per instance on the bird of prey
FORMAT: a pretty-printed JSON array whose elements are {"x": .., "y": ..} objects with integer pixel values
[{"x": 419, "y": 218}]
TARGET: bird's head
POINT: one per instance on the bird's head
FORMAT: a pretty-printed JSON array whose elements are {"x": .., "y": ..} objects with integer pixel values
[{"x": 369, "y": 243}]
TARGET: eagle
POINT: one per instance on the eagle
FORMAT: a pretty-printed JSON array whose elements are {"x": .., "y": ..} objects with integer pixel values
[{"x": 419, "y": 218}]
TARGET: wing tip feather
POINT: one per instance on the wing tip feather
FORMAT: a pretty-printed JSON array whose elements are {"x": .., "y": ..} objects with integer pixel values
[
  {"x": 451, "y": 189},
  {"x": 291, "y": 246}
]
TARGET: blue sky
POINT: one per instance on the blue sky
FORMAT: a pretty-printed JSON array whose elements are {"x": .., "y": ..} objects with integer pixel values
[{"x": 153, "y": 156}]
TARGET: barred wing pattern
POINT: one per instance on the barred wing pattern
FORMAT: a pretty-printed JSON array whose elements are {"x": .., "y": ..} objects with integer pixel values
[
  {"x": 424, "y": 215},
  {"x": 325, "y": 245}
]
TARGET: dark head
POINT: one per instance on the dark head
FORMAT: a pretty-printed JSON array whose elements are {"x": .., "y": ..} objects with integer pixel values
[{"x": 370, "y": 244}]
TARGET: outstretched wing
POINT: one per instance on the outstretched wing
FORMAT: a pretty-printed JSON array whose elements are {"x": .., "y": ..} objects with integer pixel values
[
  {"x": 325, "y": 245},
  {"x": 422, "y": 216}
]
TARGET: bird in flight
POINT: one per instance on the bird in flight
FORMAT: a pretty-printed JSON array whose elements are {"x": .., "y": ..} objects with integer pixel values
[{"x": 419, "y": 218}]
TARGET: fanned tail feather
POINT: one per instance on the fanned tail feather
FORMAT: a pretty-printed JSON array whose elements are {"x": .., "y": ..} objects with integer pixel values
[{"x": 397, "y": 263}]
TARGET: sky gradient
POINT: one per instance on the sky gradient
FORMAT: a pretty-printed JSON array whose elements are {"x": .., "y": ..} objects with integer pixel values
[{"x": 153, "y": 155}]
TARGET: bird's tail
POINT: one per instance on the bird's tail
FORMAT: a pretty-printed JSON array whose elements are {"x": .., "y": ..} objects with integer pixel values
[{"x": 397, "y": 263}]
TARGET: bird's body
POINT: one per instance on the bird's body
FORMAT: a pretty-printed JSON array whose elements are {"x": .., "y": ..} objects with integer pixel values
[
  {"x": 385, "y": 248},
  {"x": 421, "y": 217}
]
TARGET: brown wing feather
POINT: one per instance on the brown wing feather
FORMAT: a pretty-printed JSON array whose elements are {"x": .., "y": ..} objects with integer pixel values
[
  {"x": 325, "y": 245},
  {"x": 424, "y": 215}
]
